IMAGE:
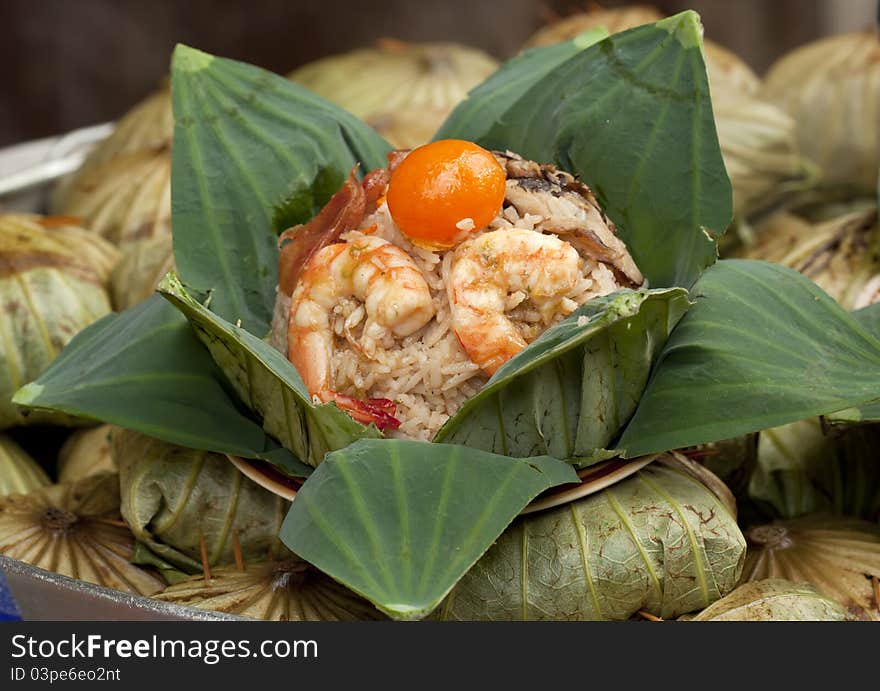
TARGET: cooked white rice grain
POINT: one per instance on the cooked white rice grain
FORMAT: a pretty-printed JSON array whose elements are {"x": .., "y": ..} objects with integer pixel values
[{"x": 428, "y": 374}]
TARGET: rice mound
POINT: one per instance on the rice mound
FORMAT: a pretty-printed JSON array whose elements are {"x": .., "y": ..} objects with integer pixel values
[{"x": 428, "y": 374}]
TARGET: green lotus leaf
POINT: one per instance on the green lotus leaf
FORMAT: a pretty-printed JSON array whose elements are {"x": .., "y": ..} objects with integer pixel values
[
  {"x": 174, "y": 499},
  {"x": 268, "y": 384},
  {"x": 761, "y": 347},
  {"x": 399, "y": 522},
  {"x": 144, "y": 369},
  {"x": 869, "y": 317},
  {"x": 487, "y": 103},
  {"x": 773, "y": 599},
  {"x": 659, "y": 541},
  {"x": 252, "y": 153},
  {"x": 571, "y": 391},
  {"x": 632, "y": 116}
]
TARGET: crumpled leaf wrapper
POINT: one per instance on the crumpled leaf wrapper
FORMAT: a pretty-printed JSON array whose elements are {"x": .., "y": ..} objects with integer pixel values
[
  {"x": 141, "y": 269},
  {"x": 841, "y": 255},
  {"x": 286, "y": 590},
  {"x": 53, "y": 283},
  {"x": 838, "y": 556},
  {"x": 659, "y": 542},
  {"x": 802, "y": 468},
  {"x": 403, "y": 90},
  {"x": 127, "y": 200},
  {"x": 148, "y": 125},
  {"x": 831, "y": 87},
  {"x": 174, "y": 498},
  {"x": 123, "y": 192},
  {"x": 19, "y": 473},
  {"x": 613, "y": 20},
  {"x": 75, "y": 530},
  {"x": 86, "y": 452},
  {"x": 761, "y": 153},
  {"x": 773, "y": 600}
]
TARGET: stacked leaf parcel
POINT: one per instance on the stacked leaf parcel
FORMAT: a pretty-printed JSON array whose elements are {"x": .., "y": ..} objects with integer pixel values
[{"x": 287, "y": 443}]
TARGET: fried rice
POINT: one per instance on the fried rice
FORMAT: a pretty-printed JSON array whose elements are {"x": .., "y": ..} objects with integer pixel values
[{"x": 428, "y": 375}]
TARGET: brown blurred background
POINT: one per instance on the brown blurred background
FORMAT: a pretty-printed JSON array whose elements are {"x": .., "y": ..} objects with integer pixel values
[{"x": 71, "y": 63}]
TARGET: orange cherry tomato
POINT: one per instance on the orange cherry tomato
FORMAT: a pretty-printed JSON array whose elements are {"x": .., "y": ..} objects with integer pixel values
[{"x": 439, "y": 186}]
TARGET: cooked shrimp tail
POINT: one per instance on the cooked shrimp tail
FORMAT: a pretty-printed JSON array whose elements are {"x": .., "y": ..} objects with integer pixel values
[
  {"x": 396, "y": 300},
  {"x": 378, "y": 411}
]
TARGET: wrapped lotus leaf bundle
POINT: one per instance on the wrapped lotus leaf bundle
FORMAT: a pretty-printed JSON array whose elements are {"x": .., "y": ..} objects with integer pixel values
[
  {"x": 19, "y": 473},
  {"x": 147, "y": 126},
  {"x": 142, "y": 267},
  {"x": 773, "y": 599},
  {"x": 75, "y": 530},
  {"x": 660, "y": 542},
  {"x": 53, "y": 283},
  {"x": 86, "y": 452},
  {"x": 831, "y": 88},
  {"x": 614, "y": 20},
  {"x": 179, "y": 501},
  {"x": 803, "y": 468},
  {"x": 127, "y": 199},
  {"x": 758, "y": 140},
  {"x": 840, "y": 557},
  {"x": 123, "y": 192},
  {"x": 403, "y": 90},
  {"x": 761, "y": 153},
  {"x": 841, "y": 255},
  {"x": 274, "y": 590}
]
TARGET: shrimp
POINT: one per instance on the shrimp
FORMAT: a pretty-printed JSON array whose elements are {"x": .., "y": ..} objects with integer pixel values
[
  {"x": 396, "y": 300},
  {"x": 489, "y": 267}
]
